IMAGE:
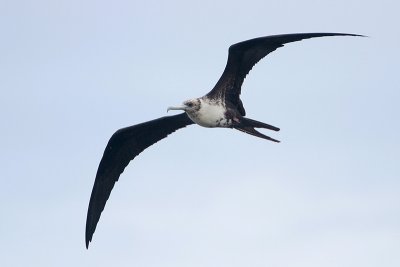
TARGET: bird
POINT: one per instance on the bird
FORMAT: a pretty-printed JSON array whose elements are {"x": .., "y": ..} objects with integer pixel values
[{"x": 221, "y": 107}]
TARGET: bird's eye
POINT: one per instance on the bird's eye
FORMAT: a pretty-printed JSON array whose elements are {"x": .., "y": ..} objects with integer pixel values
[{"x": 190, "y": 104}]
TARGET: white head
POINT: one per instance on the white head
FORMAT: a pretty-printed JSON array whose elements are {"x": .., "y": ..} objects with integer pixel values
[{"x": 190, "y": 106}]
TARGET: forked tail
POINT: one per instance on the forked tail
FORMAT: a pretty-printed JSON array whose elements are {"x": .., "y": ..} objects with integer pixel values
[{"x": 247, "y": 126}]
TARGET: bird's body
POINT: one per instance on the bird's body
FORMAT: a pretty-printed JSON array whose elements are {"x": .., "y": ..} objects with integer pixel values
[
  {"x": 208, "y": 113},
  {"x": 221, "y": 107}
]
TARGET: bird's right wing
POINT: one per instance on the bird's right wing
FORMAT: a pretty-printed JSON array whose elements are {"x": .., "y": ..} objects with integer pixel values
[{"x": 124, "y": 146}]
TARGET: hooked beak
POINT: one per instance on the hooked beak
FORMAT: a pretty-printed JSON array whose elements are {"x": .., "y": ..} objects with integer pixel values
[{"x": 183, "y": 107}]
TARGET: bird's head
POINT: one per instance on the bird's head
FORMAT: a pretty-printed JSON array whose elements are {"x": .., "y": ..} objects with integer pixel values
[{"x": 191, "y": 105}]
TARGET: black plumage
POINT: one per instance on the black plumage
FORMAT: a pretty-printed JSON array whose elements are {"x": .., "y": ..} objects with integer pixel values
[{"x": 127, "y": 143}]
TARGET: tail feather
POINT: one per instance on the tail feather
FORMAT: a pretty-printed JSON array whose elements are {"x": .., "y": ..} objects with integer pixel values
[
  {"x": 257, "y": 124},
  {"x": 252, "y": 131},
  {"x": 247, "y": 126}
]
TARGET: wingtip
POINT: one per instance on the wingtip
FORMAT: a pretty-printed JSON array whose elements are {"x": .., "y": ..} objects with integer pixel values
[
  {"x": 88, "y": 239},
  {"x": 324, "y": 34},
  {"x": 350, "y": 34},
  {"x": 356, "y": 35}
]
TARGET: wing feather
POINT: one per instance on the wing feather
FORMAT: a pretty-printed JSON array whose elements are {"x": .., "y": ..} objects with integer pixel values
[
  {"x": 124, "y": 146},
  {"x": 244, "y": 55}
]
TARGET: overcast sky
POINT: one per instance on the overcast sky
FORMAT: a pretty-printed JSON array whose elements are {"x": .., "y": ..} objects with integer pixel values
[{"x": 73, "y": 72}]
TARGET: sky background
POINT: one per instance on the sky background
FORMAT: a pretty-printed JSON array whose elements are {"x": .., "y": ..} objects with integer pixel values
[{"x": 73, "y": 72}]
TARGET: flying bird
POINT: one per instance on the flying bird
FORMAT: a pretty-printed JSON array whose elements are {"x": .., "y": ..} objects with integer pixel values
[{"x": 221, "y": 107}]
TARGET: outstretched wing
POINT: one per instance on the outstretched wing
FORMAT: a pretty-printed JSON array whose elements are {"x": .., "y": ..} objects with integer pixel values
[
  {"x": 124, "y": 146},
  {"x": 244, "y": 55}
]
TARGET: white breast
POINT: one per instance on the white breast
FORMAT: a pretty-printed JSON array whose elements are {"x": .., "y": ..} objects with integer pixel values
[{"x": 211, "y": 114}]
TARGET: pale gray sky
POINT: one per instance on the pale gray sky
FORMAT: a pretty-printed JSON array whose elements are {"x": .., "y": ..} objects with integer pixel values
[{"x": 73, "y": 72}]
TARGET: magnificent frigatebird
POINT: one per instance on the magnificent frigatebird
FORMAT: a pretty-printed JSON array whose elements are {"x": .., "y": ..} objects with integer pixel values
[{"x": 221, "y": 107}]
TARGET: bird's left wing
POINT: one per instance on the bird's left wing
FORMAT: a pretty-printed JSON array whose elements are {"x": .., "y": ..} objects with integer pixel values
[
  {"x": 124, "y": 146},
  {"x": 244, "y": 55}
]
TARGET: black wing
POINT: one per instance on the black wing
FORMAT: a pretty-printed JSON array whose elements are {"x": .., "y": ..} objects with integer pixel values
[
  {"x": 124, "y": 146},
  {"x": 244, "y": 55}
]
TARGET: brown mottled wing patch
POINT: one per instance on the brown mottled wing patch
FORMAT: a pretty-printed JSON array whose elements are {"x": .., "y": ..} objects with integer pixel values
[
  {"x": 124, "y": 146},
  {"x": 244, "y": 55}
]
